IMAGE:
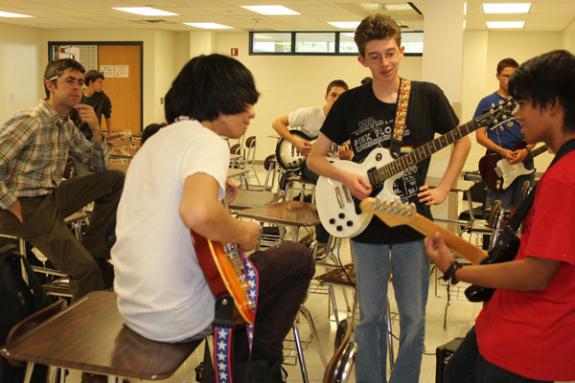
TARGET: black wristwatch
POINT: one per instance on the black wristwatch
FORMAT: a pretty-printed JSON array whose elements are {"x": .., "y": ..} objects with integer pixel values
[{"x": 450, "y": 273}]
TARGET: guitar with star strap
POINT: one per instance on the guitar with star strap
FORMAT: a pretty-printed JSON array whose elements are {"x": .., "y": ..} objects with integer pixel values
[{"x": 224, "y": 270}]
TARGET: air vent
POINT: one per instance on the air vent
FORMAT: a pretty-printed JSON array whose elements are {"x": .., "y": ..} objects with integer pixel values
[{"x": 153, "y": 21}]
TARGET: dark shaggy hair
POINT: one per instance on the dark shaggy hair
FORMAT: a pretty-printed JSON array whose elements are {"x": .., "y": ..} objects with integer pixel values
[
  {"x": 92, "y": 75},
  {"x": 376, "y": 27},
  {"x": 545, "y": 80},
  {"x": 208, "y": 86},
  {"x": 55, "y": 68}
]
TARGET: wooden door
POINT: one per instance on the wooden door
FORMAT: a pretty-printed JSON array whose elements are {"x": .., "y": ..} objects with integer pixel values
[{"x": 121, "y": 65}]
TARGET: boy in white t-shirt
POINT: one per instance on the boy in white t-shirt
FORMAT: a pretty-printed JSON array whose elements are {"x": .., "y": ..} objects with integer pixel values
[
  {"x": 175, "y": 184},
  {"x": 309, "y": 120}
]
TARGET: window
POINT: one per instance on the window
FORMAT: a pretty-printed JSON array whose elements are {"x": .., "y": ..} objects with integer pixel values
[
  {"x": 347, "y": 43},
  {"x": 314, "y": 42},
  {"x": 320, "y": 43},
  {"x": 270, "y": 43}
]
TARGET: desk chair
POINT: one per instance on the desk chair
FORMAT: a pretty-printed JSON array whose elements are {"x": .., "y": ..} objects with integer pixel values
[
  {"x": 90, "y": 336},
  {"x": 341, "y": 363},
  {"x": 345, "y": 276}
]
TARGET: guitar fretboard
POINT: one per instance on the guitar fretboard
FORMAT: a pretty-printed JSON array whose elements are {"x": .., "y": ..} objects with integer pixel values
[
  {"x": 378, "y": 176},
  {"x": 539, "y": 150}
]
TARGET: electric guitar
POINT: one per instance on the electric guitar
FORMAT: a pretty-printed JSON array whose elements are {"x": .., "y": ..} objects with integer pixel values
[
  {"x": 338, "y": 210},
  {"x": 287, "y": 155},
  {"x": 499, "y": 174},
  {"x": 395, "y": 213},
  {"x": 222, "y": 266}
]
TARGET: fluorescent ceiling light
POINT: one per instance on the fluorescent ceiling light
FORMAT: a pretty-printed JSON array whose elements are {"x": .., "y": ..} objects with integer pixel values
[
  {"x": 344, "y": 24},
  {"x": 505, "y": 24},
  {"x": 398, "y": 7},
  {"x": 12, "y": 14},
  {"x": 145, "y": 11},
  {"x": 371, "y": 7},
  {"x": 490, "y": 8},
  {"x": 270, "y": 9},
  {"x": 209, "y": 25}
]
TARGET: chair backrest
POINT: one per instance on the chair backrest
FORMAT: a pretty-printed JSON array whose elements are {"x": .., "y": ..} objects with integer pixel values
[
  {"x": 236, "y": 149},
  {"x": 476, "y": 193},
  {"x": 250, "y": 149}
]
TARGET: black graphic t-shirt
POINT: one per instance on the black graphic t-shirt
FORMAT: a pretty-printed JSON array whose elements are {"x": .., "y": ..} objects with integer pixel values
[{"x": 359, "y": 116}]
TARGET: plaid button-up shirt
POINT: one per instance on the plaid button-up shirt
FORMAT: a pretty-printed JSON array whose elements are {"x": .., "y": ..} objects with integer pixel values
[{"x": 34, "y": 147}]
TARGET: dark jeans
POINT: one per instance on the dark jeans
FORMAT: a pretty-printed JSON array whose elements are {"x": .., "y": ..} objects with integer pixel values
[
  {"x": 468, "y": 366},
  {"x": 321, "y": 234},
  {"x": 44, "y": 227},
  {"x": 284, "y": 275}
]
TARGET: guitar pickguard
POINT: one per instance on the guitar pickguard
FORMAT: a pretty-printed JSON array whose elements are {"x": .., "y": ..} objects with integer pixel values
[{"x": 338, "y": 210}]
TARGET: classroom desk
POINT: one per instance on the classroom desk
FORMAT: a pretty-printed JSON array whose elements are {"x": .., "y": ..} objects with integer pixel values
[
  {"x": 291, "y": 213},
  {"x": 288, "y": 213},
  {"x": 90, "y": 336}
]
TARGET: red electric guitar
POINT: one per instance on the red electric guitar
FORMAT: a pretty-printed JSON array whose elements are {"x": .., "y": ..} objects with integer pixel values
[{"x": 222, "y": 266}]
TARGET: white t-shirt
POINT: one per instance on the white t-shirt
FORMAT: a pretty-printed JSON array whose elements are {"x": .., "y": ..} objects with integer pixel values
[
  {"x": 308, "y": 119},
  {"x": 162, "y": 292}
]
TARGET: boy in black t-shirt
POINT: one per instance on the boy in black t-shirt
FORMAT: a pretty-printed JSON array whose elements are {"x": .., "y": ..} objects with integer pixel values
[{"x": 366, "y": 116}]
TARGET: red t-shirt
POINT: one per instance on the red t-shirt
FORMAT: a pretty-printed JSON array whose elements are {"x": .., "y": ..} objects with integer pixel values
[{"x": 532, "y": 333}]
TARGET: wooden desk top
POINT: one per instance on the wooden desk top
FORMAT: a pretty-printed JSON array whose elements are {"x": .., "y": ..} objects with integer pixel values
[
  {"x": 246, "y": 199},
  {"x": 292, "y": 213},
  {"x": 90, "y": 336}
]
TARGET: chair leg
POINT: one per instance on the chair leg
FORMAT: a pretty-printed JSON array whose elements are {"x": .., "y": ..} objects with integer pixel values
[
  {"x": 390, "y": 337},
  {"x": 28, "y": 373},
  {"x": 331, "y": 294},
  {"x": 300, "y": 356},
  {"x": 314, "y": 332},
  {"x": 52, "y": 374}
]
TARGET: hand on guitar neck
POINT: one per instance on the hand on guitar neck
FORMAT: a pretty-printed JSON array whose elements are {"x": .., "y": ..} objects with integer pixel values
[{"x": 395, "y": 213}]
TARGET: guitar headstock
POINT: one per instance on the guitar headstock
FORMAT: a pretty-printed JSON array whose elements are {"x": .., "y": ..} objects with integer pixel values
[
  {"x": 393, "y": 213},
  {"x": 497, "y": 116}
]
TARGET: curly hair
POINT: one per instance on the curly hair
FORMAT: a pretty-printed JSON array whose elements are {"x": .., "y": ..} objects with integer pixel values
[{"x": 376, "y": 27}]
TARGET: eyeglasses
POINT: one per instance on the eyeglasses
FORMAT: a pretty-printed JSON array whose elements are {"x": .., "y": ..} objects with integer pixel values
[
  {"x": 69, "y": 80},
  {"x": 388, "y": 56}
]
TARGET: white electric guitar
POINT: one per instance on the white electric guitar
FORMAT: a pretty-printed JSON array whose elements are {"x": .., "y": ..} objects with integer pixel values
[
  {"x": 340, "y": 213},
  {"x": 499, "y": 174}
]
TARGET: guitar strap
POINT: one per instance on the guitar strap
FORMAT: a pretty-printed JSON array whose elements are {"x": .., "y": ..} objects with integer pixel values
[
  {"x": 508, "y": 243},
  {"x": 400, "y": 117},
  {"x": 223, "y": 325}
]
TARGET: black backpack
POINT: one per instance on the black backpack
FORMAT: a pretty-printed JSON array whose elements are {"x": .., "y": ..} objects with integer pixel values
[{"x": 19, "y": 299}]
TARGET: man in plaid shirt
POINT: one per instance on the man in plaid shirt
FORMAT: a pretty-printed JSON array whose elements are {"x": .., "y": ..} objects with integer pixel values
[{"x": 34, "y": 200}]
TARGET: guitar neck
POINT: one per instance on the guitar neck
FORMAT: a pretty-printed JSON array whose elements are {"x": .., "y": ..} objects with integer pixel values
[
  {"x": 428, "y": 228},
  {"x": 540, "y": 150},
  {"x": 424, "y": 151}
]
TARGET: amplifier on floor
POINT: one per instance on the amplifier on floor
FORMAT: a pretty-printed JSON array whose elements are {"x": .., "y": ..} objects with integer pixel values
[{"x": 443, "y": 354}]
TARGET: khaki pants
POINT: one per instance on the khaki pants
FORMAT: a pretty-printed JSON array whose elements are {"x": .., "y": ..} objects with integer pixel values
[{"x": 44, "y": 226}]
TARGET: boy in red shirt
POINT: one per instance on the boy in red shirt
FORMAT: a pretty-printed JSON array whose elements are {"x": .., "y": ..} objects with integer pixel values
[{"x": 525, "y": 332}]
